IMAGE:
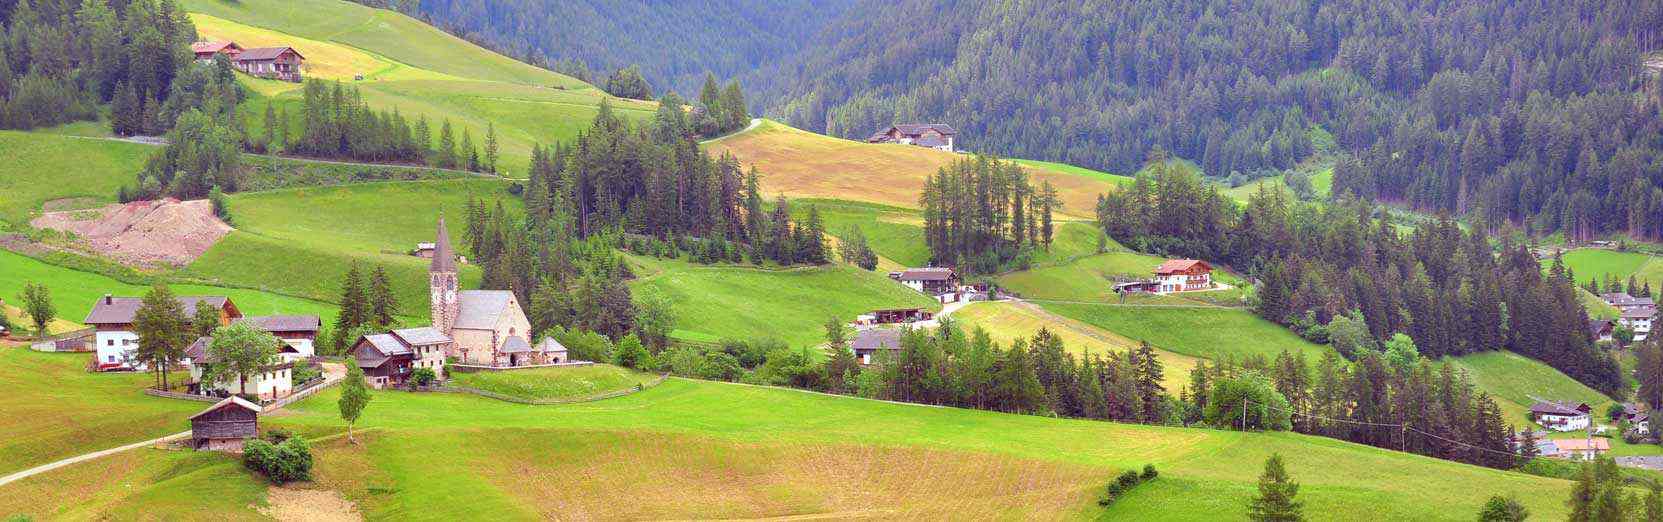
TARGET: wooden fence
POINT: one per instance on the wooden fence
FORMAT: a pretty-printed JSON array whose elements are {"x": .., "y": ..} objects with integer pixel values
[
  {"x": 181, "y": 395},
  {"x": 472, "y": 368}
]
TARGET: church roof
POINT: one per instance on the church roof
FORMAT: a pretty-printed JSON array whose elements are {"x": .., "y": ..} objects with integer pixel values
[
  {"x": 515, "y": 344},
  {"x": 481, "y": 309},
  {"x": 444, "y": 259}
]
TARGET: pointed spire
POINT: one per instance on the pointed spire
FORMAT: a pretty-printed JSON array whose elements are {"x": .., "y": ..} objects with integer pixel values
[{"x": 444, "y": 259}]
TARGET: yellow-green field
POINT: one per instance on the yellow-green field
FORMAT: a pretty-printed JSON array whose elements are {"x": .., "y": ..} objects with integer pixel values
[
  {"x": 1595, "y": 263},
  {"x": 801, "y": 164},
  {"x": 1007, "y": 321}
]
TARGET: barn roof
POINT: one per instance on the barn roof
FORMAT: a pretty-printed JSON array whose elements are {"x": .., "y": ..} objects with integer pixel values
[
  {"x": 212, "y": 47},
  {"x": 265, "y": 53},
  {"x": 876, "y": 339},
  {"x": 284, "y": 323},
  {"x": 1558, "y": 408},
  {"x": 121, "y": 310},
  {"x": 1639, "y": 312},
  {"x": 914, "y": 129},
  {"x": 232, "y": 401},
  {"x": 481, "y": 309},
  {"x": 379, "y": 349},
  {"x": 927, "y": 274},
  {"x": 1172, "y": 266}
]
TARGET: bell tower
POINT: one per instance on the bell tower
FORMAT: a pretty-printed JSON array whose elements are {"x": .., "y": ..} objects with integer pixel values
[{"x": 441, "y": 275}]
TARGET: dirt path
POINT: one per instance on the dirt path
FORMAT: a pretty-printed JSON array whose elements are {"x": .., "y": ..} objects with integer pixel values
[
  {"x": 755, "y": 122},
  {"x": 309, "y": 505},
  {"x": 86, "y": 457}
]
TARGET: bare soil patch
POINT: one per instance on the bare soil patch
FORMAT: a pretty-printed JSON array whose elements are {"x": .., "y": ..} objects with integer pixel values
[
  {"x": 144, "y": 233},
  {"x": 309, "y": 505}
]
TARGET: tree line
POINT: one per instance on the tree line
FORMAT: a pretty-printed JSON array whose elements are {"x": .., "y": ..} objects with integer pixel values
[
  {"x": 981, "y": 213},
  {"x": 61, "y": 59},
  {"x": 336, "y": 122},
  {"x": 1328, "y": 270}
]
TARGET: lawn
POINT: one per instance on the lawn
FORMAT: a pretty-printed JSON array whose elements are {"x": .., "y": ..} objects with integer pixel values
[
  {"x": 42, "y": 167},
  {"x": 1590, "y": 263},
  {"x": 1007, "y": 321},
  {"x": 74, "y": 291},
  {"x": 569, "y": 382},
  {"x": 742, "y": 302},
  {"x": 895, "y": 234},
  {"x": 801, "y": 164},
  {"x": 1092, "y": 278},
  {"x": 1208, "y": 333},
  {"x": 55, "y": 409},
  {"x": 1075, "y": 170}
]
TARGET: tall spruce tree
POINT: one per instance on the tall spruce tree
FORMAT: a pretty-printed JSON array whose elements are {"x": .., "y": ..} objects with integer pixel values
[{"x": 1275, "y": 502}]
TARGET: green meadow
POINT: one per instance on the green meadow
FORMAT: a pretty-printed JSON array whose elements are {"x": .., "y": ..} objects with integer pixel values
[
  {"x": 1594, "y": 263},
  {"x": 1075, "y": 170},
  {"x": 894, "y": 233},
  {"x": 742, "y": 302},
  {"x": 60, "y": 167},
  {"x": 567, "y": 382},
  {"x": 74, "y": 291},
  {"x": 1516, "y": 382},
  {"x": 1205, "y": 332}
]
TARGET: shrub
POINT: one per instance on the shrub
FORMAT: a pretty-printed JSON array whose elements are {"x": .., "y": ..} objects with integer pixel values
[
  {"x": 1128, "y": 479},
  {"x": 278, "y": 435},
  {"x": 1149, "y": 472},
  {"x": 423, "y": 376},
  {"x": 288, "y": 461},
  {"x": 1124, "y": 483}
]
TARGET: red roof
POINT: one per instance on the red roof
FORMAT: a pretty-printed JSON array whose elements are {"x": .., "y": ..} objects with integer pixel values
[
  {"x": 1175, "y": 266},
  {"x": 212, "y": 47}
]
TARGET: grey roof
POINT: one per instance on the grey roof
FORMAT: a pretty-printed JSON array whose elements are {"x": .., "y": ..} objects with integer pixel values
[
  {"x": 914, "y": 129},
  {"x": 444, "y": 259},
  {"x": 120, "y": 310},
  {"x": 1639, "y": 312},
  {"x": 264, "y": 53},
  {"x": 876, "y": 339},
  {"x": 515, "y": 344},
  {"x": 230, "y": 401},
  {"x": 481, "y": 309},
  {"x": 284, "y": 323},
  {"x": 930, "y": 141},
  {"x": 198, "y": 350},
  {"x": 549, "y": 345},
  {"x": 1557, "y": 408},
  {"x": 1621, "y": 299},
  {"x": 926, "y": 274},
  {"x": 381, "y": 348},
  {"x": 424, "y": 336}
]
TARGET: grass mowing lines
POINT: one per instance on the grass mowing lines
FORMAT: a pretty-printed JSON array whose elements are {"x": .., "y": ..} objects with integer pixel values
[
  {"x": 44, "y": 167},
  {"x": 1007, "y": 321},
  {"x": 801, "y": 164},
  {"x": 140, "y": 484},
  {"x": 571, "y": 382},
  {"x": 1201, "y": 332},
  {"x": 748, "y": 303}
]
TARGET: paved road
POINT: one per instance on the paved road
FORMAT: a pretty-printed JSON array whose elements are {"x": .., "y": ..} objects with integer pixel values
[{"x": 83, "y": 458}]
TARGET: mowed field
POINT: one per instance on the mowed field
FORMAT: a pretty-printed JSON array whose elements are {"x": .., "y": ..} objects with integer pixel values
[
  {"x": 571, "y": 382},
  {"x": 1516, "y": 382},
  {"x": 1594, "y": 263},
  {"x": 1214, "y": 333},
  {"x": 895, "y": 234},
  {"x": 801, "y": 164},
  {"x": 712, "y": 302},
  {"x": 410, "y": 66},
  {"x": 37, "y": 167},
  {"x": 692, "y": 449},
  {"x": 1007, "y": 321},
  {"x": 73, "y": 291}
]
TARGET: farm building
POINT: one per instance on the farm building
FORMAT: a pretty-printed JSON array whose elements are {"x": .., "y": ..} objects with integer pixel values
[
  {"x": 276, "y": 63},
  {"x": 112, "y": 320},
  {"x": 1600, "y": 329},
  {"x": 1580, "y": 449},
  {"x": 1183, "y": 275},
  {"x": 1639, "y": 319},
  {"x": 932, "y": 280},
  {"x": 298, "y": 332},
  {"x": 929, "y": 135},
  {"x": 205, "y": 51},
  {"x": 869, "y": 343},
  {"x": 1561, "y": 416},
  {"x": 225, "y": 425},
  {"x": 1637, "y": 416},
  {"x": 898, "y": 315},
  {"x": 423, "y": 250},
  {"x": 388, "y": 359},
  {"x": 487, "y": 327},
  {"x": 273, "y": 382}
]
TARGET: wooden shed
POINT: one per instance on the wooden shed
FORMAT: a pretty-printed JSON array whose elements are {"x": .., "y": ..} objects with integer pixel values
[{"x": 225, "y": 425}]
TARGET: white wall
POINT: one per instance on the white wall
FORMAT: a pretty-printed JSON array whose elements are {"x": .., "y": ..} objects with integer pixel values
[{"x": 117, "y": 347}]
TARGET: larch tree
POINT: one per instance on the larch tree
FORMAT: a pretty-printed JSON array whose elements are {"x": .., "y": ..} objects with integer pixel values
[
  {"x": 1275, "y": 502},
  {"x": 355, "y": 395},
  {"x": 383, "y": 303},
  {"x": 37, "y": 302}
]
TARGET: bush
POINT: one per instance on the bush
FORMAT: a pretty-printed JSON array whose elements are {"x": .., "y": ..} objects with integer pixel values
[
  {"x": 1149, "y": 473},
  {"x": 1124, "y": 483},
  {"x": 1128, "y": 479},
  {"x": 423, "y": 376},
  {"x": 288, "y": 461}
]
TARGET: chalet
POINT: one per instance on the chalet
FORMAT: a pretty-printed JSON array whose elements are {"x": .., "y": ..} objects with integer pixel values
[
  {"x": 1637, "y": 416},
  {"x": 423, "y": 250},
  {"x": 225, "y": 425},
  {"x": 1600, "y": 329},
  {"x": 277, "y": 63},
  {"x": 112, "y": 320},
  {"x": 272, "y": 382},
  {"x": 930, "y": 135},
  {"x": 1639, "y": 320},
  {"x": 388, "y": 359},
  {"x": 1183, "y": 275},
  {"x": 899, "y": 315},
  {"x": 1623, "y": 301},
  {"x": 869, "y": 343},
  {"x": 1586, "y": 448},
  {"x": 488, "y": 327},
  {"x": 932, "y": 281},
  {"x": 1561, "y": 416},
  {"x": 298, "y": 332},
  {"x": 205, "y": 51}
]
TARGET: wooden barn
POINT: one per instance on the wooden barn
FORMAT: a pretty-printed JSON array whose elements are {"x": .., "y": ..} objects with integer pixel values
[
  {"x": 277, "y": 63},
  {"x": 225, "y": 425}
]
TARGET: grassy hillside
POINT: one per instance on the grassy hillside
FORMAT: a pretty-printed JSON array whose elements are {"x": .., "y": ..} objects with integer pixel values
[
  {"x": 1517, "y": 381},
  {"x": 727, "y": 301},
  {"x": 137, "y": 485},
  {"x": 1592, "y": 263},
  {"x": 1322, "y": 181},
  {"x": 73, "y": 291},
  {"x": 895, "y": 234},
  {"x": 555, "y": 383},
  {"x": 410, "y": 66},
  {"x": 1209, "y": 333},
  {"x": 802, "y": 164},
  {"x": 1008, "y": 321},
  {"x": 1091, "y": 278},
  {"x": 44, "y": 167}
]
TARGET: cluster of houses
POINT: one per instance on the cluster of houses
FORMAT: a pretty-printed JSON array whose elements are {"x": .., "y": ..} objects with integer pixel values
[
  {"x": 116, "y": 344},
  {"x": 1564, "y": 416},
  {"x": 1637, "y": 314},
  {"x": 1173, "y": 275},
  {"x": 276, "y": 63},
  {"x": 936, "y": 136}
]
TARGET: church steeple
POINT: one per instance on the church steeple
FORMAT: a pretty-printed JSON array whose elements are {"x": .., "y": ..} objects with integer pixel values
[{"x": 441, "y": 277}]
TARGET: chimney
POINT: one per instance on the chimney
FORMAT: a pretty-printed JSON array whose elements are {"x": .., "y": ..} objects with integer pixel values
[{"x": 107, "y": 299}]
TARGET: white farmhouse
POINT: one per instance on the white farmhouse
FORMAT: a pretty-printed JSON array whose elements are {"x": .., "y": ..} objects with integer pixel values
[
  {"x": 112, "y": 320},
  {"x": 1561, "y": 416}
]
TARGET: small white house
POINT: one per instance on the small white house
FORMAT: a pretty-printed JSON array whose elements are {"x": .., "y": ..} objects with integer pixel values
[
  {"x": 1561, "y": 416},
  {"x": 1639, "y": 320},
  {"x": 114, "y": 340},
  {"x": 271, "y": 383}
]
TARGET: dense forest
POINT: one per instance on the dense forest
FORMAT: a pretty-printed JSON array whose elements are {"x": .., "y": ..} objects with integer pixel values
[
  {"x": 674, "y": 43},
  {"x": 1338, "y": 273},
  {"x": 983, "y": 215}
]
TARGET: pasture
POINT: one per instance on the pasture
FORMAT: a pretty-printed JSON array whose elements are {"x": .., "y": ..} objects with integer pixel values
[
  {"x": 1007, "y": 321},
  {"x": 43, "y": 167},
  {"x": 1203, "y": 332},
  {"x": 74, "y": 291},
  {"x": 572, "y": 382},
  {"x": 1516, "y": 382},
  {"x": 1595, "y": 263}
]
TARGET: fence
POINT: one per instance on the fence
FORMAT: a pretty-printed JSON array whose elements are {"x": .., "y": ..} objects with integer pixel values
[
  {"x": 72, "y": 341},
  {"x": 551, "y": 402},
  {"x": 472, "y": 368},
  {"x": 180, "y": 395}
]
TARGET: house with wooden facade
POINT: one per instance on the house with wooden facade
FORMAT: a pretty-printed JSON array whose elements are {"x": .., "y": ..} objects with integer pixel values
[
  {"x": 389, "y": 359},
  {"x": 275, "y": 63},
  {"x": 1183, "y": 275},
  {"x": 1561, "y": 416},
  {"x": 205, "y": 51},
  {"x": 932, "y": 280},
  {"x": 299, "y": 333},
  {"x": 937, "y": 136},
  {"x": 226, "y": 425},
  {"x": 272, "y": 382},
  {"x": 115, "y": 341}
]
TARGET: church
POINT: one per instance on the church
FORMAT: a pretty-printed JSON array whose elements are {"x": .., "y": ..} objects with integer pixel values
[{"x": 487, "y": 327}]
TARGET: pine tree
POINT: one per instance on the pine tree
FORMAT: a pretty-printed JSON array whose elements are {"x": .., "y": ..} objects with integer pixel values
[
  {"x": 383, "y": 303},
  {"x": 447, "y": 147},
  {"x": 814, "y": 245},
  {"x": 355, "y": 309},
  {"x": 1275, "y": 502},
  {"x": 491, "y": 148},
  {"x": 160, "y": 324},
  {"x": 469, "y": 156}
]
